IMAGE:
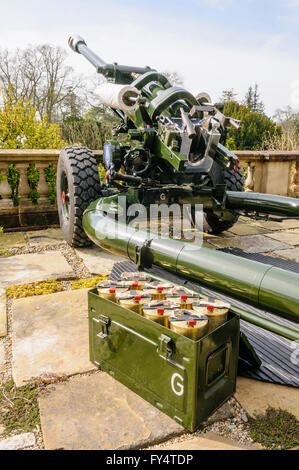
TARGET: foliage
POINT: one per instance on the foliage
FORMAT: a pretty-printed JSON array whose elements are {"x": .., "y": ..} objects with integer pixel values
[
  {"x": 102, "y": 173},
  {"x": 228, "y": 96},
  {"x": 89, "y": 282},
  {"x": 255, "y": 127},
  {"x": 50, "y": 177},
  {"x": 277, "y": 429},
  {"x": 288, "y": 120},
  {"x": 32, "y": 174},
  {"x": 253, "y": 101},
  {"x": 174, "y": 78},
  {"x": 35, "y": 288},
  {"x": 18, "y": 408},
  {"x": 20, "y": 129},
  {"x": 280, "y": 141},
  {"x": 13, "y": 179},
  {"x": 40, "y": 74},
  {"x": 89, "y": 133}
]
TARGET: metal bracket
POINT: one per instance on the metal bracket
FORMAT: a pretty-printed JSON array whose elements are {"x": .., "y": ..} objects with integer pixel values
[
  {"x": 143, "y": 256},
  {"x": 219, "y": 194},
  {"x": 164, "y": 347},
  {"x": 105, "y": 323}
]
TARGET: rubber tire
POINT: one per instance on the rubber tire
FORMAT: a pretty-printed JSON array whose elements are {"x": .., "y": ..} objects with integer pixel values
[
  {"x": 234, "y": 182},
  {"x": 80, "y": 168}
]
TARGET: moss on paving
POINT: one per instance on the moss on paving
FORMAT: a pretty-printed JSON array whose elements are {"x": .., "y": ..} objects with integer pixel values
[
  {"x": 4, "y": 252},
  {"x": 276, "y": 430},
  {"x": 35, "y": 288},
  {"x": 18, "y": 408},
  {"x": 89, "y": 282}
]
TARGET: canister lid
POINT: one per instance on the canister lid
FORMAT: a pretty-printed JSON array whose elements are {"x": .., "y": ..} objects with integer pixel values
[
  {"x": 131, "y": 294},
  {"x": 155, "y": 304},
  {"x": 184, "y": 315},
  {"x": 139, "y": 276},
  {"x": 179, "y": 294},
  {"x": 110, "y": 284},
  {"x": 214, "y": 304}
]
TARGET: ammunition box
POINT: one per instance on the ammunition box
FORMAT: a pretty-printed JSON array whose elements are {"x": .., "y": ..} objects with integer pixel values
[{"x": 188, "y": 380}]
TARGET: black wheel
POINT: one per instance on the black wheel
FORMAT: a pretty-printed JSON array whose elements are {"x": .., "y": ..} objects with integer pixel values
[
  {"x": 234, "y": 182},
  {"x": 77, "y": 184}
]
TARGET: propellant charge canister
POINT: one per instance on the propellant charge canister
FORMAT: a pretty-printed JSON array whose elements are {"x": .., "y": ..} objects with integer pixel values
[
  {"x": 183, "y": 298},
  {"x": 191, "y": 325},
  {"x": 215, "y": 310},
  {"x": 134, "y": 280},
  {"x": 158, "y": 290},
  {"x": 109, "y": 289},
  {"x": 159, "y": 311},
  {"x": 133, "y": 300}
]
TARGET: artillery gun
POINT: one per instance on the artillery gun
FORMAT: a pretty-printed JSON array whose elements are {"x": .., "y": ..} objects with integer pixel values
[{"x": 169, "y": 147}]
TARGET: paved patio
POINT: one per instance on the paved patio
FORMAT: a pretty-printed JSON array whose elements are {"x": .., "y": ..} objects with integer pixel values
[{"x": 49, "y": 335}]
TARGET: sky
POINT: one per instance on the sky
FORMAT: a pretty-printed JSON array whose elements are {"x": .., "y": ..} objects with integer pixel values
[{"x": 213, "y": 44}]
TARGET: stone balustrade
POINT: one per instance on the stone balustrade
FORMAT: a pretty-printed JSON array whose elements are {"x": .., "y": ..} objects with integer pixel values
[
  {"x": 267, "y": 172},
  {"x": 271, "y": 172}
]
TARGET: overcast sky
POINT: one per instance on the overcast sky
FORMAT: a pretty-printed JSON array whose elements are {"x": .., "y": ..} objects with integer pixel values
[{"x": 213, "y": 44}]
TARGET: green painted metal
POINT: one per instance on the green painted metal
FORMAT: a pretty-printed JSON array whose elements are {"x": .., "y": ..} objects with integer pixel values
[
  {"x": 257, "y": 320},
  {"x": 185, "y": 379},
  {"x": 265, "y": 203},
  {"x": 256, "y": 283}
]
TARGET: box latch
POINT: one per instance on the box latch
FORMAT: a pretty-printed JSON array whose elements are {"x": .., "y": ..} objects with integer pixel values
[
  {"x": 104, "y": 323},
  {"x": 164, "y": 347}
]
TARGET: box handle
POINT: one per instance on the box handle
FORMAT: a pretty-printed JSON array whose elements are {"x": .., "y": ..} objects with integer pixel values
[
  {"x": 105, "y": 323},
  {"x": 164, "y": 348}
]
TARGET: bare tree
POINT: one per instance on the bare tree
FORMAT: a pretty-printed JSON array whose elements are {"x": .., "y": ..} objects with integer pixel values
[
  {"x": 228, "y": 96},
  {"x": 174, "y": 78},
  {"x": 40, "y": 74}
]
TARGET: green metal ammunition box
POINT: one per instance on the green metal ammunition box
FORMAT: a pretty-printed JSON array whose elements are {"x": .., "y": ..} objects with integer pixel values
[{"x": 185, "y": 379}]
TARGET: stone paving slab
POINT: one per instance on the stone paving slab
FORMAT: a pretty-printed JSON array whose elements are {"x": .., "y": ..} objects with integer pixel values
[
  {"x": 272, "y": 225},
  {"x": 98, "y": 261},
  {"x": 96, "y": 412},
  {"x": 18, "y": 442},
  {"x": 22, "y": 269},
  {"x": 50, "y": 335},
  {"x": 292, "y": 254},
  {"x": 12, "y": 240},
  {"x": 255, "y": 397},
  {"x": 251, "y": 243},
  {"x": 288, "y": 236},
  {"x": 50, "y": 236},
  {"x": 208, "y": 441},
  {"x": 3, "y": 316},
  {"x": 242, "y": 228}
]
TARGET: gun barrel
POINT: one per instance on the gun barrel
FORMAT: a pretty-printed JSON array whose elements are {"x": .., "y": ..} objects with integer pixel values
[
  {"x": 78, "y": 44},
  {"x": 120, "y": 73}
]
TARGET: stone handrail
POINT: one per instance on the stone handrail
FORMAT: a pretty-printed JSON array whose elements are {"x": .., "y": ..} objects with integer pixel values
[
  {"x": 267, "y": 172},
  {"x": 275, "y": 172}
]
